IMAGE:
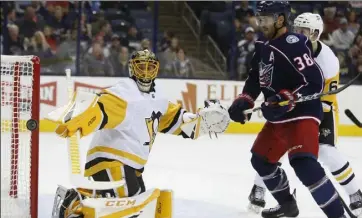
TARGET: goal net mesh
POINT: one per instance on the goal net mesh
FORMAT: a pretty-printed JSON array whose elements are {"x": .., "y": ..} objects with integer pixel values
[{"x": 17, "y": 79}]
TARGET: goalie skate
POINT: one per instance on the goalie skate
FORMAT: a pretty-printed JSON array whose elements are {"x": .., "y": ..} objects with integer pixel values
[{"x": 256, "y": 199}]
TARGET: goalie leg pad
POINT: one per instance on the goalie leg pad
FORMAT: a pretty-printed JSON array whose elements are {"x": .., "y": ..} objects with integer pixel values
[
  {"x": 104, "y": 170},
  {"x": 164, "y": 204},
  {"x": 140, "y": 206}
]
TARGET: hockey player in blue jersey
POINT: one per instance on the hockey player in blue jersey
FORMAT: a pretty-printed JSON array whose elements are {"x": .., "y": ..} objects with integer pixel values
[{"x": 283, "y": 70}]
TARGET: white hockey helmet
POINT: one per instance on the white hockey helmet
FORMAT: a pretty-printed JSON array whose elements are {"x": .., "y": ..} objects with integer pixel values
[{"x": 311, "y": 21}]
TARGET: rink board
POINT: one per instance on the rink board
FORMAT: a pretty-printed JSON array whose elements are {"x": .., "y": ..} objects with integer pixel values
[{"x": 191, "y": 95}]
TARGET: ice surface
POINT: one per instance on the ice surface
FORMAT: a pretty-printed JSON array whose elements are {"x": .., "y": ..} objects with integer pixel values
[{"x": 210, "y": 178}]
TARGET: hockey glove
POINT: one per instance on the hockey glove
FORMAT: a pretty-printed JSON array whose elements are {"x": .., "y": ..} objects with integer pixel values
[
  {"x": 240, "y": 104},
  {"x": 212, "y": 119},
  {"x": 278, "y": 105}
]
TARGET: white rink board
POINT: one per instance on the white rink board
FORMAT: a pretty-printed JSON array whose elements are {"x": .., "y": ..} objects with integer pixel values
[{"x": 191, "y": 93}]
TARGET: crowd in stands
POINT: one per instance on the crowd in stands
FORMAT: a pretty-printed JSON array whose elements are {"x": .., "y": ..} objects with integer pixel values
[
  {"x": 342, "y": 22},
  {"x": 109, "y": 32}
]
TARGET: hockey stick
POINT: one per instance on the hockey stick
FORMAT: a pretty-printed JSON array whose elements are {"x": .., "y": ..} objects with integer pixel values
[
  {"x": 76, "y": 177},
  {"x": 310, "y": 97},
  {"x": 353, "y": 118},
  {"x": 345, "y": 206}
]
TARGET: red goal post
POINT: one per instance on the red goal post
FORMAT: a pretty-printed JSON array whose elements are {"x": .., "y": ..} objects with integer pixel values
[{"x": 20, "y": 102}]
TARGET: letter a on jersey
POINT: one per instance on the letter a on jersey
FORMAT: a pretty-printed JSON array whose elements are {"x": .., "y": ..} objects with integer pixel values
[{"x": 271, "y": 57}]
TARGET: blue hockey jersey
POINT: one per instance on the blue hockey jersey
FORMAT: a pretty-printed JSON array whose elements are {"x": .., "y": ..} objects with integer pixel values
[{"x": 286, "y": 63}]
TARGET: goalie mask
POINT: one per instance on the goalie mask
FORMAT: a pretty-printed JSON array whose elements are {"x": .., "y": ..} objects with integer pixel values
[{"x": 143, "y": 69}]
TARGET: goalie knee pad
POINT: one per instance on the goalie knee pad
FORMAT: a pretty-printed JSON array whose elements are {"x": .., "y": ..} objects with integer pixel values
[{"x": 104, "y": 170}]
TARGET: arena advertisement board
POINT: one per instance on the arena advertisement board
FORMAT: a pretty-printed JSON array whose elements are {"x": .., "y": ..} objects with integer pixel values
[{"x": 190, "y": 94}]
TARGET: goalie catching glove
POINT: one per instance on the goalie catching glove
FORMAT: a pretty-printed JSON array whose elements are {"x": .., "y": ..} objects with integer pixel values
[
  {"x": 212, "y": 119},
  {"x": 87, "y": 113}
]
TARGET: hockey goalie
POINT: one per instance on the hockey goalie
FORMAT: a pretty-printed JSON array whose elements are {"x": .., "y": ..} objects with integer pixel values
[{"x": 125, "y": 119}]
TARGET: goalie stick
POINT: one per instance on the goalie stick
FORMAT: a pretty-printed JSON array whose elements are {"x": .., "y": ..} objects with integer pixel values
[
  {"x": 310, "y": 97},
  {"x": 76, "y": 177},
  {"x": 353, "y": 118}
]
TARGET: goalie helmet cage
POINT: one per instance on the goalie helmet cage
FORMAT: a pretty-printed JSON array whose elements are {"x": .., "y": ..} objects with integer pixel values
[{"x": 20, "y": 102}]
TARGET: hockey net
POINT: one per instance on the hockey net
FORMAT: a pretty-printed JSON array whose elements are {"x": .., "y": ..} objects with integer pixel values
[{"x": 20, "y": 78}]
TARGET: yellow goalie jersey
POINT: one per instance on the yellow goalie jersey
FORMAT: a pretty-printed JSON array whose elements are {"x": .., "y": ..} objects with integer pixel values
[
  {"x": 136, "y": 119},
  {"x": 329, "y": 64}
]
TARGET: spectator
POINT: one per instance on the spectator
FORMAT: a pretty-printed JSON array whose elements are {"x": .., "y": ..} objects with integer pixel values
[
  {"x": 353, "y": 25},
  {"x": 342, "y": 38},
  {"x": 96, "y": 64},
  {"x": 356, "y": 5},
  {"x": 169, "y": 55},
  {"x": 15, "y": 44},
  {"x": 30, "y": 23},
  {"x": 68, "y": 48},
  {"x": 99, "y": 39},
  {"x": 21, "y": 5},
  {"x": 246, "y": 46},
  {"x": 50, "y": 38},
  {"x": 120, "y": 64},
  {"x": 134, "y": 37},
  {"x": 166, "y": 40},
  {"x": 116, "y": 45},
  {"x": 11, "y": 16},
  {"x": 355, "y": 53},
  {"x": 146, "y": 44},
  {"x": 96, "y": 26},
  {"x": 86, "y": 28},
  {"x": 182, "y": 67},
  {"x": 64, "y": 5},
  {"x": 105, "y": 31},
  {"x": 239, "y": 34},
  {"x": 59, "y": 24},
  {"x": 39, "y": 46},
  {"x": 330, "y": 24}
]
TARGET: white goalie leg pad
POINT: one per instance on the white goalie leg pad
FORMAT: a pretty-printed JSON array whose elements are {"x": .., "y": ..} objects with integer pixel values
[
  {"x": 214, "y": 118},
  {"x": 142, "y": 206}
]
